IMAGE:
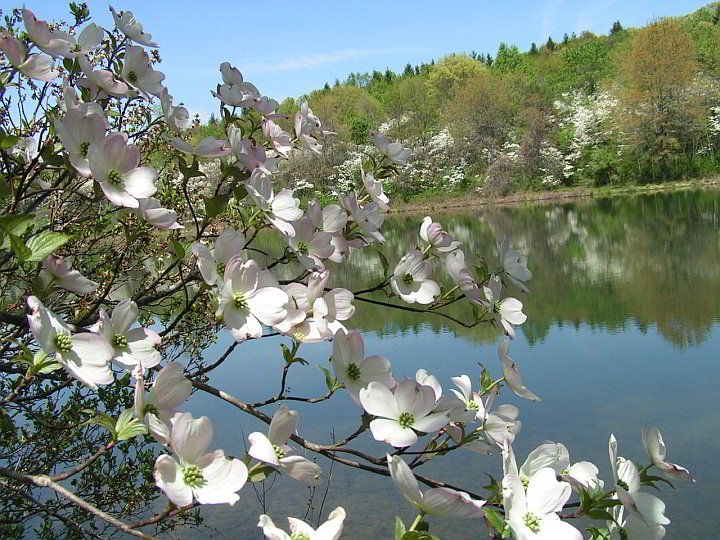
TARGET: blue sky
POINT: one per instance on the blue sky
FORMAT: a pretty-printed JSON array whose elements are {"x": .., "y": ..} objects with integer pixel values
[{"x": 290, "y": 48}]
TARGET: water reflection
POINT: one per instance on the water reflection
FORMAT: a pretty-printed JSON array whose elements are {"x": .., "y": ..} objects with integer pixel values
[{"x": 622, "y": 332}]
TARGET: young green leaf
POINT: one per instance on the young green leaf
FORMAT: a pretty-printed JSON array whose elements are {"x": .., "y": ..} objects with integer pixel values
[{"x": 44, "y": 244}]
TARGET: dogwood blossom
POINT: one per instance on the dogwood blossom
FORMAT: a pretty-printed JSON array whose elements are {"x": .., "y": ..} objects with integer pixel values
[
  {"x": 369, "y": 218},
  {"x": 27, "y": 148},
  {"x": 274, "y": 450},
  {"x": 402, "y": 412},
  {"x": 81, "y": 128},
  {"x": 514, "y": 264},
  {"x": 207, "y": 147},
  {"x": 235, "y": 91},
  {"x": 156, "y": 408},
  {"x": 139, "y": 74},
  {"x": 127, "y": 24},
  {"x": 101, "y": 82},
  {"x": 252, "y": 156},
  {"x": 279, "y": 138},
  {"x": 212, "y": 262},
  {"x": 62, "y": 275},
  {"x": 163, "y": 218},
  {"x": 177, "y": 117},
  {"x": 411, "y": 279},
  {"x": 54, "y": 43},
  {"x": 244, "y": 304},
  {"x": 131, "y": 347},
  {"x": 435, "y": 236},
  {"x": 655, "y": 447},
  {"x": 512, "y": 375},
  {"x": 374, "y": 188},
  {"x": 533, "y": 514},
  {"x": 208, "y": 477},
  {"x": 311, "y": 247},
  {"x": 556, "y": 457},
  {"x": 34, "y": 66},
  {"x": 441, "y": 502},
  {"x": 115, "y": 166},
  {"x": 85, "y": 356},
  {"x": 353, "y": 369},
  {"x": 507, "y": 310},
  {"x": 498, "y": 428},
  {"x": 281, "y": 208},
  {"x": 299, "y": 530},
  {"x": 393, "y": 150}
]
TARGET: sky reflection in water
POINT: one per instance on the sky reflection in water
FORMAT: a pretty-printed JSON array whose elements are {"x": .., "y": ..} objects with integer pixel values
[{"x": 622, "y": 332}]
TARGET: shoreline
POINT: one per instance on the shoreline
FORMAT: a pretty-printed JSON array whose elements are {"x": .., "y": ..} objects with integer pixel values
[{"x": 556, "y": 196}]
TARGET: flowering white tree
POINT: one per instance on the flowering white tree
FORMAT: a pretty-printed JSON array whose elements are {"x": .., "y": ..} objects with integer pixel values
[{"x": 120, "y": 261}]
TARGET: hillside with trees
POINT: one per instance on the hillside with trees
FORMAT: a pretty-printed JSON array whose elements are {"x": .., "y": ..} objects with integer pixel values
[{"x": 636, "y": 105}]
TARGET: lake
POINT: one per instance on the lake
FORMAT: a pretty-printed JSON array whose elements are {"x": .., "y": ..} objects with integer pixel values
[{"x": 622, "y": 332}]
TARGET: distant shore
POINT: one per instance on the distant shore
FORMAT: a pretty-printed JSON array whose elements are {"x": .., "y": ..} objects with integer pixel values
[{"x": 438, "y": 202}]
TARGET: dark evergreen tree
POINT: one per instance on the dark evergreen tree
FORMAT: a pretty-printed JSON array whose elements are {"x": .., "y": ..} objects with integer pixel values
[
  {"x": 408, "y": 69},
  {"x": 566, "y": 38},
  {"x": 616, "y": 28},
  {"x": 533, "y": 48},
  {"x": 550, "y": 45},
  {"x": 326, "y": 88},
  {"x": 337, "y": 83}
]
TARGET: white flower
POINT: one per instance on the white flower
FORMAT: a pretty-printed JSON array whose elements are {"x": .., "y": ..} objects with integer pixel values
[
  {"x": 211, "y": 263},
  {"x": 70, "y": 280},
  {"x": 353, "y": 369},
  {"x": 331, "y": 218},
  {"x": 249, "y": 154},
  {"x": 209, "y": 477},
  {"x": 177, "y": 117},
  {"x": 127, "y": 24},
  {"x": 274, "y": 450},
  {"x": 35, "y": 66},
  {"x": 244, "y": 305},
  {"x": 411, "y": 279},
  {"x": 441, "y": 502},
  {"x": 369, "y": 217},
  {"x": 331, "y": 308},
  {"x": 102, "y": 82},
  {"x": 81, "y": 128},
  {"x": 53, "y": 43},
  {"x": 394, "y": 151},
  {"x": 235, "y": 92},
  {"x": 84, "y": 356},
  {"x": 139, "y": 74},
  {"x": 311, "y": 247},
  {"x": 457, "y": 269},
  {"x": 471, "y": 402},
  {"x": 163, "y": 218},
  {"x": 401, "y": 413},
  {"x": 156, "y": 408},
  {"x": 424, "y": 378},
  {"x": 330, "y": 530},
  {"x": 114, "y": 165},
  {"x": 512, "y": 375},
  {"x": 207, "y": 147},
  {"x": 27, "y": 148},
  {"x": 508, "y": 310},
  {"x": 533, "y": 515},
  {"x": 655, "y": 448},
  {"x": 434, "y": 235},
  {"x": 644, "y": 507},
  {"x": 498, "y": 428},
  {"x": 375, "y": 190},
  {"x": 132, "y": 347},
  {"x": 280, "y": 209},
  {"x": 280, "y": 139},
  {"x": 556, "y": 457},
  {"x": 514, "y": 264}
]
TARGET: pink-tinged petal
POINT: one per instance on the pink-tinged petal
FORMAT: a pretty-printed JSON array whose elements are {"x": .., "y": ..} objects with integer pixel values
[
  {"x": 552, "y": 455},
  {"x": 465, "y": 386},
  {"x": 545, "y": 495},
  {"x": 377, "y": 368},
  {"x": 377, "y": 400},
  {"x": 191, "y": 437},
  {"x": 283, "y": 425},
  {"x": 262, "y": 449},
  {"x": 391, "y": 432},
  {"x": 124, "y": 316},
  {"x": 339, "y": 303},
  {"x": 512, "y": 375},
  {"x": 169, "y": 478},
  {"x": 223, "y": 477},
  {"x": 449, "y": 503},
  {"x": 404, "y": 479},
  {"x": 302, "y": 470},
  {"x": 118, "y": 197},
  {"x": 651, "y": 508},
  {"x": 94, "y": 352},
  {"x": 75, "y": 282},
  {"x": 407, "y": 394},
  {"x": 267, "y": 304},
  {"x": 557, "y": 529},
  {"x": 206, "y": 263}
]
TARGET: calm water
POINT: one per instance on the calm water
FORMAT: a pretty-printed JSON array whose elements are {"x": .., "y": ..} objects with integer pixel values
[{"x": 623, "y": 331}]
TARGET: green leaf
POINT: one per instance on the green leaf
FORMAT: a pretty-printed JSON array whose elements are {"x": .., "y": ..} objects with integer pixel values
[
  {"x": 21, "y": 251},
  {"x": 42, "y": 363},
  {"x": 216, "y": 205},
  {"x": 258, "y": 474},
  {"x": 101, "y": 419},
  {"x": 179, "y": 248},
  {"x": 330, "y": 380},
  {"x": 44, "y": 244},
  {"x": 495, "y": 519},
  {"x": 399, "y": 528},
  {"x": 384, "y": 261},
  {"x": 8, "y": 141},
  {"x": 240, "y": 192},
  {"x": 128, "y": 426},
  {"x": 418, "y": 535},
  {"x": 16, "y": 225}
]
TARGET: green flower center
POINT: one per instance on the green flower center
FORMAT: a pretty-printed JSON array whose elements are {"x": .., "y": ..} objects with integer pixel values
[
  {"x": 132, "y": 77},
  {"x": 299, "y": 536},
  {"x": 623, "y": 485},
  {"x": 532, "y": 522},
  {"x": 565, "y": 472},
  {"x": 76, "y": 49},
  {"x": 220, "y": 269},
  {"x": 353, "y": 371},
  {"x": 193, "y": 476},
  {"x": 115, "y": 178},
  {"x": 239, "y": 300},
  {"x": 84, "y": 147},
  {"x": 150, "y": 408},
  {"x": 408, "y": 279},
  {"x": 302, "y": 248},
  {"x": 279, "y": 452},
  {"x": 406, "y": 420},
  {"x": 473, "y": 405},
  {"x": 525, "y": 481},
  {"x": 119, "y": 341},
  {"x": 63, "y": 342}
]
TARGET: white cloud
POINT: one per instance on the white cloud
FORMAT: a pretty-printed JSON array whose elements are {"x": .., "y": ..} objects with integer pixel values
[{"x": 299, "y": 62}]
